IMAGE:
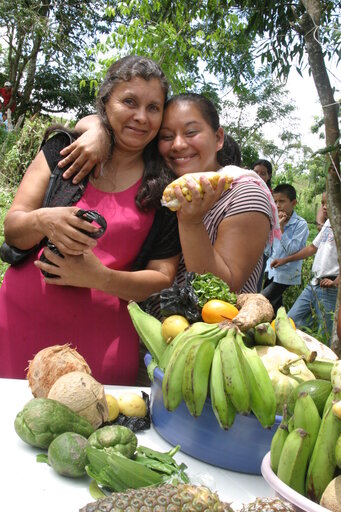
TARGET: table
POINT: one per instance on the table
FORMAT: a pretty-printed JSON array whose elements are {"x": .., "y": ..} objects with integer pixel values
[{"x": 29, "y": 485}]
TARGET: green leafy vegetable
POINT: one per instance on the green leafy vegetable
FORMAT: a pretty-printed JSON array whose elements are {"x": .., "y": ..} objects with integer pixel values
[{"x": 208, "y": 286}]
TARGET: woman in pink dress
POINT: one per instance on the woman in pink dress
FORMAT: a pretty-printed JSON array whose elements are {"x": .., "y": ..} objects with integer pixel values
[{"x": 85, "y": 305}]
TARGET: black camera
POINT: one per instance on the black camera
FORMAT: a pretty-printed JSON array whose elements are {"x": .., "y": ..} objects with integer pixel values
[{"x": 89, "y": 216}]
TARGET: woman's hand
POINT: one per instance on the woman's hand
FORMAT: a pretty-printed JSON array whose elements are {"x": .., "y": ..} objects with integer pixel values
[
  {"x": 62, "y": 227},
  {"x": 88, "y": 151},
  {"x": 82, "y": 271},
  {"x": 194, "y": 211}
]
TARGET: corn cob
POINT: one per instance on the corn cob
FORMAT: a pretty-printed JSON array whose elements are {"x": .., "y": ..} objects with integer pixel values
[{"x": 169, "y": 198}]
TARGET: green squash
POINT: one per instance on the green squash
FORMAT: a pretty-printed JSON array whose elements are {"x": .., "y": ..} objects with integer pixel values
[{"x": 67, "y": 454}]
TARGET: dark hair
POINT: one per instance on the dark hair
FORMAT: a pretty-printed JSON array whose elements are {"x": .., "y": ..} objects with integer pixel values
[
  {"x": 265, "y": 164},
  {"x": 156, "y": 175},
  {"x": 286, "y": 189},
  {"x": 230, "y": 153}
]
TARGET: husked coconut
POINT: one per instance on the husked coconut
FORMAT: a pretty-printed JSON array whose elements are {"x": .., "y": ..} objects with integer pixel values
[
  {"x": 83, "y": 394},
  {"x": 331, "y": 498},
  {"x": 51, "y": 363}
]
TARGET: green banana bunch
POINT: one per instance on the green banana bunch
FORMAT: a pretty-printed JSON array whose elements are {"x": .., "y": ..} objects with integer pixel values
[
  {"x": 197, "y": 328},
  {"x": 293, "y": 461},
  {"x": 149, "y": 330},
  {"x": 173, "y": 375},
  {"x": 234, "y": 372},
  {"x": 265, "y": 334},
  {"x": 306, "y": 416},
  {"x": 288, "y": 337},
  {"x": 196, "y": 374},
  {"x": 222, "y": 406},
  {"x": 262, "y": 395},
  {"x": 321, "y": 368},
  {"x": 278, "y": 441},
  {"x": 322, "y": 464}
]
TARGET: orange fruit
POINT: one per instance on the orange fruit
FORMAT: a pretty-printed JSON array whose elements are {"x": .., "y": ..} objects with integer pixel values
[
  {"x": 291, "y": 321},
  {"x": 215, "y": 311}
]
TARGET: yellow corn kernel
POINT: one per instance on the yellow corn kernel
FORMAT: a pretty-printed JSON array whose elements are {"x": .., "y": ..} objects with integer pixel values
[{"x": 169, "y": 198}]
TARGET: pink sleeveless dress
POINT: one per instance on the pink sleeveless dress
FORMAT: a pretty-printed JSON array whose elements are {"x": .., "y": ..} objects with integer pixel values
[{"x": 34, "y": 315}]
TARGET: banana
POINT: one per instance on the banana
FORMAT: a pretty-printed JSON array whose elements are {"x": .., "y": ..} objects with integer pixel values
[
  {"x": 288, "y": 337},
  {"x": 265, "y": 334},
  {"x": 222, "y": 407},
  {"x": 291, "y": 423},
  {"x": 234, "y": 372},
  {"x": 197, "y": 328},
  {"x": 196, "y": 374},
  {"x": 335, "y": 375},
  {"x": 278, "y": 441},
  {"x": 293, "y": 461},
  {"x": 306, "y": 416},
  {"x": 172, "y": 379},
  {"x": 321, "y": 368},
  {"x": 262, "y": 395},
  {"x": 322, "y": 464},
  {"x": 149, "y": 330},
  {"x": 338, "y": 452}
]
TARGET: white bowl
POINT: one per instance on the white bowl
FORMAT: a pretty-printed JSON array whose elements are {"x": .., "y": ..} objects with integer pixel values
[{"x": 301, "y": 503}]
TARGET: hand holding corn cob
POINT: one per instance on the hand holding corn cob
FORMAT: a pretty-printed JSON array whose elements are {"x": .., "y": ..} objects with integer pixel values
[{"x": 169, "y": 198}]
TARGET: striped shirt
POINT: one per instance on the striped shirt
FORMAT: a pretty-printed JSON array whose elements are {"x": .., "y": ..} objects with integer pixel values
[{"x": 242, "y": 197}]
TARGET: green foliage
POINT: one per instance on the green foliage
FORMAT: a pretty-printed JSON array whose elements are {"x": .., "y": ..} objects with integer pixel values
[
  {"x": 6, "y": 198},
  {"x": 20, "y": 148}
]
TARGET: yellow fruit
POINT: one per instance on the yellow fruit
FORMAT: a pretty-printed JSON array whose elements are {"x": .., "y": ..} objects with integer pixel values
[
  {"x": 216, "y": 310},
  {"x": 132, "y": 404},
  {"x": 112, "y": 407},
  {"x": 291, "y": 321},
  {"x": 172, "y": 326}
]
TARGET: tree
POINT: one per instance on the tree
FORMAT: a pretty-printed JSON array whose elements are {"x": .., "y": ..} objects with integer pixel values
[{"x": 48, "y": 38}]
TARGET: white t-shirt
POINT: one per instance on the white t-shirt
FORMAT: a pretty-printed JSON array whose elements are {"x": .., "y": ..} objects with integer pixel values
[{"x": 325, "y": 261}]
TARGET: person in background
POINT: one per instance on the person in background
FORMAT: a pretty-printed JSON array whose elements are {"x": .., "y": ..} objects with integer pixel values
[
  {"x": 6, "y": 92},
  {"x": 264, "y": 170},
  {"x": 321, "y": 214},
  {"x": 320, "y": 295},
  {"x": 4, "y": 121},
  {"x": 86, "y": 303},
  {"x": 295, "y": 232}
]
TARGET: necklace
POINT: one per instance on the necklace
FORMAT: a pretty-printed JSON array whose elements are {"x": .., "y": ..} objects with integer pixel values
[{"x": 103, "y": 180}]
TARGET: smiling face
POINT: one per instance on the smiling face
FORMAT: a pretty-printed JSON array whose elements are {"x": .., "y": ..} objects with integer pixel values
[
  {"x": 134, "y": 111},
  {"x": 187, "y": 142}
]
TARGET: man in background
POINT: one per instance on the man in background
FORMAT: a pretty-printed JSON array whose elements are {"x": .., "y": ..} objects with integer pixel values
[{"x": 6, "y": 93}]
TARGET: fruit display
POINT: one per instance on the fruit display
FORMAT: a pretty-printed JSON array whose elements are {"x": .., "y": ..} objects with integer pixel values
[{"x": 169, "y": 198}]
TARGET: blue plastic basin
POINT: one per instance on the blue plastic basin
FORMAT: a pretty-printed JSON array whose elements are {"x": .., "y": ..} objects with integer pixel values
[{"x": 241, "y": 448}]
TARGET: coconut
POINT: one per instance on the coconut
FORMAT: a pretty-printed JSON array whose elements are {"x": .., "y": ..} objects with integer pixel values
[
  {"x": 51, "y": 363},
  {"x": 331, "y": 498},
  {"x": 83, "y": 394}
]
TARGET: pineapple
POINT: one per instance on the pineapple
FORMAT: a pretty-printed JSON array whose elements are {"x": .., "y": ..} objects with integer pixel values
[
  {"x": 169, "y": 198},
  {"x": 164, "y": 498},
  {"x": 268, "y": 505}
]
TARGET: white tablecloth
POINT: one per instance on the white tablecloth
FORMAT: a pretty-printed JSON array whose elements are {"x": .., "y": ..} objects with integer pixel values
[{"x": 32, "y": 486}]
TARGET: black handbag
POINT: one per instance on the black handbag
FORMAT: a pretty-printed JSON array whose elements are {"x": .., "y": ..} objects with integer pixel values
[{"x": 60, "y": 192}]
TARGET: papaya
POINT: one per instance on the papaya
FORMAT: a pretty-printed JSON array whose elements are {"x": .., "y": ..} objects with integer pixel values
[
  {"x": 43, "y": 419},
  {"x": 318, "y": 389},
  {"x": 67, "y": 454}
]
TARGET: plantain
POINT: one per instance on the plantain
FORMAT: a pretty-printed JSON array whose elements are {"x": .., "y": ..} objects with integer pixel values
[
  {"x": 149, "y": 330},
  {"x": 293, "y": 461},
  {"x": 306, "y": 416},
  {"x": 222, "y": 407},
  {"x": 196, "y": 375},
  {"x": 335, "y": 374},
  {"x": 278, "y": 441},
  {"x": 338, "y": 452},
  {"x": 321, "y": 368},
  {"x": 234, "y": 372},
  {"x": 262, "y": 395},
  {"x": 288, "y": 337},
  {"x": 322, "y": 464},
  {"x": 197, "y": 329},
  {"x": 172, "y": 379},
  {"x": 264, "y": 334}
]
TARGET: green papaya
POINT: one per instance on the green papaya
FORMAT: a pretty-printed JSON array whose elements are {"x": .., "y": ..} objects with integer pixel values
[
  {"x": 43, "y": 419},
  {"x": 67, "y": 454}
]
